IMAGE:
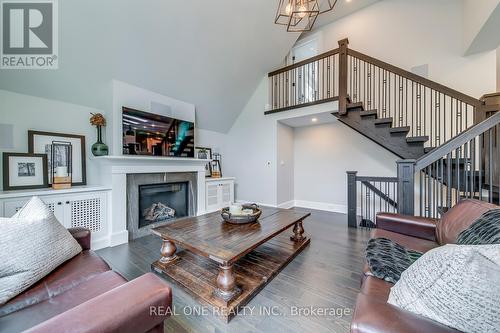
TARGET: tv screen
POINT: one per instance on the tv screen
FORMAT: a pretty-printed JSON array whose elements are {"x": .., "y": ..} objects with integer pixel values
[{"x": 151, "y": 134}]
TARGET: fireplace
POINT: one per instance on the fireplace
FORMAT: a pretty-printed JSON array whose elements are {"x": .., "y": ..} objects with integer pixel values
[
  {"x": 162, "y": 202},
  {"x": 157, "y": 199}
]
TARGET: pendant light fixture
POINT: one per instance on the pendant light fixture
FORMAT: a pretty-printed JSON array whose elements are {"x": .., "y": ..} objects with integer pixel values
[{"x": 300, "y": 15}]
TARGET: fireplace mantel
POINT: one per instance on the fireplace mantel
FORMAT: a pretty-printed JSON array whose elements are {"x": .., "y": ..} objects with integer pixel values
[{"x": 114, "y": 170}]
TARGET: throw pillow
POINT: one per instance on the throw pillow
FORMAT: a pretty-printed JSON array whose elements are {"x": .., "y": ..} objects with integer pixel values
[
  {"x": 456, "y": 285},
  {"x": 33, "y": 244},
  {"x": 485, "y": 230},
  {"x": 387, "y": 259}
]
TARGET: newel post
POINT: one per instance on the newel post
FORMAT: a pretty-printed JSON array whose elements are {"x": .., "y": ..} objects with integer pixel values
[
  {"x": 406, "y": 187},
  {"x": 352, "y": 197},
  {"x": 343, "y": 76}
]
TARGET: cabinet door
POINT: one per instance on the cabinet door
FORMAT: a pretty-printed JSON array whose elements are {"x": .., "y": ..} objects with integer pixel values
[
  {"x": 12, "y": 206},
  {"x": 86, "y": 210},
  {"x": 212, "y": 195},
  {"x": 226, "y": 191}
]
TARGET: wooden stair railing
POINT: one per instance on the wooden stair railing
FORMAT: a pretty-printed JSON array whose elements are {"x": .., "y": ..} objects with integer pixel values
[
  {"x": 467, "y": 166},
  {"x": 366, "y": 196}
]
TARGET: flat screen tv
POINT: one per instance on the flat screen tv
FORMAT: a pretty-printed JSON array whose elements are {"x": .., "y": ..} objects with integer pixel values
[{"x": 151, "y": 134}]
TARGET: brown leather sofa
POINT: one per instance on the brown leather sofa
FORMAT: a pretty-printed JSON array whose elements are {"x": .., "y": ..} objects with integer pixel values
[
  {"x": 85, "y": 295},
  {"x": 373, "y": 313}
]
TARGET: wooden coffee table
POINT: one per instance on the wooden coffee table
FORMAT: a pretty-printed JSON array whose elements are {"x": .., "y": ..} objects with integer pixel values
[{"x": 225, "y": 265}]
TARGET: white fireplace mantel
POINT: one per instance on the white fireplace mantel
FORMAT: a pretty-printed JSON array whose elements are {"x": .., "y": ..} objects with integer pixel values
[{"x": 114, "y": 170}]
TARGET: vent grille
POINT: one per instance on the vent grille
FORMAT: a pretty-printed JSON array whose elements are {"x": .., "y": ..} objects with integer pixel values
[{"x": 86, "y": 213}]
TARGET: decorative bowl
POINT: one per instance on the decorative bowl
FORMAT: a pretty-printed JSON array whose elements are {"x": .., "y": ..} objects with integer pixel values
[{"x": 242, "y": 219}]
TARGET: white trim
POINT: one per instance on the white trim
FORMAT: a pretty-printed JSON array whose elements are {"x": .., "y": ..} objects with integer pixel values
[
  {"x": 287, "y": 204},
  {"x": 325, "y": 206},
  {"x": 118, "y": 238}
]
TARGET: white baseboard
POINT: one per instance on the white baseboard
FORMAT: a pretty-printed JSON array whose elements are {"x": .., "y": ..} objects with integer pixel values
[
  {"x": 321, "y": 206},
  {"x": 99, "y": 243},
  {"x": 287, "y": 204},
  {"x": 118, "y": 238}
]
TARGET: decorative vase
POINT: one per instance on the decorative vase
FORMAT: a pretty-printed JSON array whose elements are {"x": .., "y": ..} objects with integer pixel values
[{"x": 99, "y": 148}]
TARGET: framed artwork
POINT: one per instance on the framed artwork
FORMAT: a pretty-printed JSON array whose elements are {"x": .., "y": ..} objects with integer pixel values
[
  {"x": 24, "y": 171},
  {"x": 41, "y": 142},
  {"x": 204, "y": 153}
]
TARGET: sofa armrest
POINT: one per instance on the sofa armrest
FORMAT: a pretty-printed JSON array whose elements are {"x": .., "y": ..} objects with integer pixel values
[
  {"x": 137, "y": 306},
  {"x": 415, "y": 226},
  {"x": 82, "y": 236},
  {"x": 373, "y": 316}
]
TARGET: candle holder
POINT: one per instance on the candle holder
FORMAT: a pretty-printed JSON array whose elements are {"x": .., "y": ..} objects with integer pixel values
[{"x": 60, "y": 164}]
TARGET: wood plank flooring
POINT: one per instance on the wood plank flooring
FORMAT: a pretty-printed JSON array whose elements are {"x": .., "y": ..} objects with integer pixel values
[{"x": 325, "y": 275}]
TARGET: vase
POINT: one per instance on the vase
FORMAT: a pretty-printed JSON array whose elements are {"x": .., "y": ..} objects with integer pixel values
[{"x": 99, "y": 148}]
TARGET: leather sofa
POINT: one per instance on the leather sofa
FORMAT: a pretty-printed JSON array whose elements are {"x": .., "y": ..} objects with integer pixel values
[
  {"x": 85, "y": 295},
  {"x": 372, "y": 312}
]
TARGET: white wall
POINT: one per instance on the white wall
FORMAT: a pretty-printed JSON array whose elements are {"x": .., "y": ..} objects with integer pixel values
[
  {"x": 323, "y": 154},
  {"x": 26, "y": 112},
  {"x": 475, "y": 15},
  {"x": 498, "y": 68},
  {"x": 408, "y": 33},
  {"x": 285, "y": 165}
]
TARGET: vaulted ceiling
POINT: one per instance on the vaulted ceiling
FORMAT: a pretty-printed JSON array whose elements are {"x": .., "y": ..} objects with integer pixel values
[{"x": 209, "y": 53}]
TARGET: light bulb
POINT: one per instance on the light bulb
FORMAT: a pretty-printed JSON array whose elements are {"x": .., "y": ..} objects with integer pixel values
[{"x": 302, "y": 11}]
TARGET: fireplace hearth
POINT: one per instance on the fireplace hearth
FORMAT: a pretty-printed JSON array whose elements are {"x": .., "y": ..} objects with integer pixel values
[{"x": 157, "y": 199}]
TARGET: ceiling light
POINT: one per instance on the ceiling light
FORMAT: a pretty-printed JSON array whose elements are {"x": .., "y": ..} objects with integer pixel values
[
  {"x": 300, "y": 15},
  {"x": 314, "y": 120}
]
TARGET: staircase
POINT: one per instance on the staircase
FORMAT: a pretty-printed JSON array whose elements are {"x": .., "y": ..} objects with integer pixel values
[{"x": 448, "y": 142}]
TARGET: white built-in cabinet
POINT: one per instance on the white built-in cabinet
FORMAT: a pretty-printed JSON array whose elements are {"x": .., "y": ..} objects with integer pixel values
[
  {"x": 77, "y": 207},
  {"x": 219, "y": 193}
]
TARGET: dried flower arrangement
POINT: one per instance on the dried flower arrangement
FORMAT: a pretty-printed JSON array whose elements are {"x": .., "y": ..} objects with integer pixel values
[{"x": 97, "y": 119}]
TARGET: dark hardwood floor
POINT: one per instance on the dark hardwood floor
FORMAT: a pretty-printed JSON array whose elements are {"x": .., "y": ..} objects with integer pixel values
[{"x": 325, "y": 275}]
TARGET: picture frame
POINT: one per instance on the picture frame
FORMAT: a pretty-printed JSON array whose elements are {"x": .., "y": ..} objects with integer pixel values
[
  {"x": 39, "y": 141},
  {"x": 24, "y": 171},
  {"x": 204, "y": 153}
]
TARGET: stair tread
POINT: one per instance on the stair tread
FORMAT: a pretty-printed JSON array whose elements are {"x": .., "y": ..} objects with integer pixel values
[
  {"x": 368, "y": 113},
  {"x": 422, "y": 138},
  {"x": 383, "y": 121},
  {"x": 400, "y": 129},
  {"x": 354, "y": 105}
]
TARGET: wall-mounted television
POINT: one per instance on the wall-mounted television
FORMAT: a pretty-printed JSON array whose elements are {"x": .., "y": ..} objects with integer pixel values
[{"x": 151, "y": 134}]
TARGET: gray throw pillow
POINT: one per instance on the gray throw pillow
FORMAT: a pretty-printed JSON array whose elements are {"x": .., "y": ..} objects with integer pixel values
[
  {"x": 455, "y": 285},
  {"x": 34, "y": 243}
]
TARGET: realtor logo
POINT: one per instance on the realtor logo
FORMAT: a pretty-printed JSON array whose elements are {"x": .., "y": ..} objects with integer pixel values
[{"x": 29, "y": 34}]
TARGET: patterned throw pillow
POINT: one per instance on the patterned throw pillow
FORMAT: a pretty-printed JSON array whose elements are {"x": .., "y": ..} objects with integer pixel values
[
  {"x": 456, "y": 285},
  {"x": 387, "y": 259},
  {"x": 33, "y": 244},
  {"x": 485, "y": 230}
]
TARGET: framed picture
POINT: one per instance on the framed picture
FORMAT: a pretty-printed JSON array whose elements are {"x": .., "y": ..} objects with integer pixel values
[
  {"x": 204, "y": 153},
  {"x": 40, "y": 143},
  {"x": 23, "y": 171}
]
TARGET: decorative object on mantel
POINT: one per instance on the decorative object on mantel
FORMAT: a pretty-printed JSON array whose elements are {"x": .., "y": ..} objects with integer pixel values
[
  {"x": 22, "y": 171},
  {"x": 300, "y": 15},
  {"x": 41, "y": 142},
  {"x": 60, "y": 168},
  {"x": 204, "y": 153},
  {"x": 99, "y": 148},
  {"x": 241, "y": 214},
  {"x": 216, "y": 168}
]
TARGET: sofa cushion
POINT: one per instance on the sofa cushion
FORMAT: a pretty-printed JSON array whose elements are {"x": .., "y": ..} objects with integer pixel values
[
  {"x": 36, "y": 244},
  {"x": 409, "y": 242},
  {"x": 456, "y": 285},
  {"x": 459, "y": 218},
  {"x": 54, "y": 305},
  {"x": 79, "y": 269}
]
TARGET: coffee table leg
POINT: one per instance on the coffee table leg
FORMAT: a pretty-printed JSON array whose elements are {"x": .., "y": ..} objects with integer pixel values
[
  {"x": 168, "y": 251},
  {"x": 298, "y": 232},
  {"x": 226, "y": 283}
]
